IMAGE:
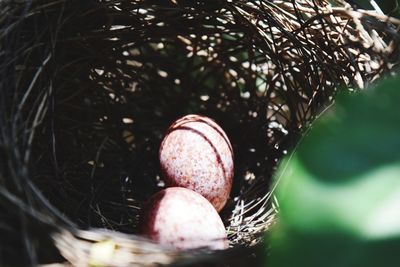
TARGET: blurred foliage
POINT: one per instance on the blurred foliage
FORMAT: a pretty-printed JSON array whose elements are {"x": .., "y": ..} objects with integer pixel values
[
  {"x": 339, "y": 193},
  {"x": 387, "y": 6}
]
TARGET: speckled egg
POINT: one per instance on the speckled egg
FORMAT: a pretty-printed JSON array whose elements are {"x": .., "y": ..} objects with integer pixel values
[
  {"x": 196, "y": 154},
  {"x": 181, "y": 218}
]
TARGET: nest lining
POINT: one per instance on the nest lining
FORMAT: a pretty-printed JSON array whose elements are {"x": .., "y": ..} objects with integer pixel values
[{"x": 88, "y": 89}]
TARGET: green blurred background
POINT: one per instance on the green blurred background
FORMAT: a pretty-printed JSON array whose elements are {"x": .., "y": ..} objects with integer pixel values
[
  {"x": 387, "y": 6},
  {"x": 339, "y": 192}
]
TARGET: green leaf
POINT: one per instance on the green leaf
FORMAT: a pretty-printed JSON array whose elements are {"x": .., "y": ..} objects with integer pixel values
[
  {"x": 363, "y": 133},
  {"x": 339, "y": 193}
]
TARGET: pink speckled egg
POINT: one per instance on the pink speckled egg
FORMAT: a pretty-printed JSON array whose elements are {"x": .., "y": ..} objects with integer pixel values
[
  {"x": 196, "y": 154},
  {"x": 183, "y": 219}
]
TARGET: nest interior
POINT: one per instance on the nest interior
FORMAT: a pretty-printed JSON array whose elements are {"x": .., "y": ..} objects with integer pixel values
[{"x": 88, "y": 89}]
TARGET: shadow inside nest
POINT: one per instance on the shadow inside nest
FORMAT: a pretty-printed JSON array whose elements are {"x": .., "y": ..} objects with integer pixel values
[
  {"x": 115, "y": 94},
  {"x": 99, "y": 159}
]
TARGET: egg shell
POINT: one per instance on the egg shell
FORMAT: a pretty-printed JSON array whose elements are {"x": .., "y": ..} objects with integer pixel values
[
  {"x": 196, "y": 154},
  {"x": 182, "y": 219}
]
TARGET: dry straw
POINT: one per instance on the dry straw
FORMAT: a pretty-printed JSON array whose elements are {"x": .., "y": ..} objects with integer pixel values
[{"x": 87, "y": 89}]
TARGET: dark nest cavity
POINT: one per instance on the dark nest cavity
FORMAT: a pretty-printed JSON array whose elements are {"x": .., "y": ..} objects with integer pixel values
[{"x": 88, "y": 88}]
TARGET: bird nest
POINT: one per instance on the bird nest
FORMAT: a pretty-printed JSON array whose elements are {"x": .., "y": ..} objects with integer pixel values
[{"x": 89, "y": 87}]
